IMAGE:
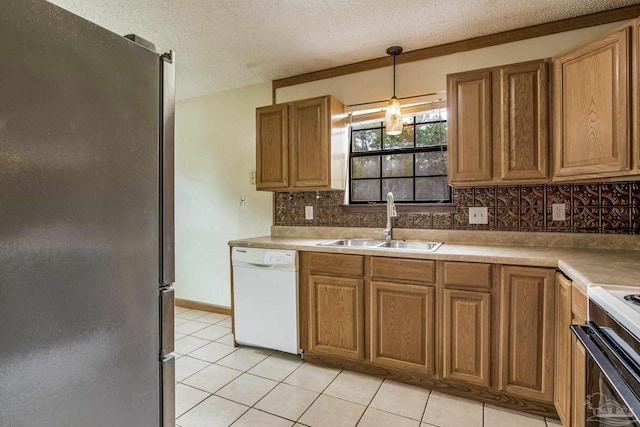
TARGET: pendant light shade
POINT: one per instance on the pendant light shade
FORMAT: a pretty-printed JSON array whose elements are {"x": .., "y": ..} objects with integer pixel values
[{"x": 393, "y": 115}]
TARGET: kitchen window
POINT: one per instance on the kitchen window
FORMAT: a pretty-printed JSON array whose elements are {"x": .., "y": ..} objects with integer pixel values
[{"x": 412, "y": 165}]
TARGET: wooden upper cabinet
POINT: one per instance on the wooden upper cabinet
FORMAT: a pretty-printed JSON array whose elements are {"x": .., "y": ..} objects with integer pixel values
[
  {"x": 527, "y": 332},
  {"x": 310, "y": 143},
  {"x": 592, "y": 109},
  {"x": 499, "y": 125},
  {"x": 272, "y": 148},
  {"x": 523, "y": 122},
  {"x": 466, "y": 336},
  {"x": 403, "y": 326},
  {"x": 301, "y": 145},
  {"x": 635, "y": 96},
  {"x": 469, "y": 128},
  {"x": 336, "y": 316},
  {"x": 562, "y": 382}
]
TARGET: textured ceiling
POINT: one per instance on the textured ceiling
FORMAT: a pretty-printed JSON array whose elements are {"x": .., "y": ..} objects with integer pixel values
[{"x": 227, "y": 44}]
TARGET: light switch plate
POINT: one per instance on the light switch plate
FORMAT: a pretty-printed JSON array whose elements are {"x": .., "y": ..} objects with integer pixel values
[
  {"x": 559, "y": 212},
  {"x": 308, "y": 213},
  {"x": 478, "y": 215},
  {"x": 252, "y": 178}
]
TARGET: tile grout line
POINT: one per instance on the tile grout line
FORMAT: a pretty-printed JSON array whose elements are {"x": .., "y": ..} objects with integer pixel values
[
  {"x": 424, "y": 411},
  {"x": 265, "y": 395},
  {"x": 282, "y": 381},
  {"x": 209, "y": 364},
  {"x": 319, "y": 394},
  {"x": 370, "y": 401}
]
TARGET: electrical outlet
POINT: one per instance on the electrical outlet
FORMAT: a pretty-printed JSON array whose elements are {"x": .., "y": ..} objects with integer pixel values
[
  {"x": 478, "y": 215},
  {"x": 558, "y": 212},
  {"x": 308, "y": 213}
]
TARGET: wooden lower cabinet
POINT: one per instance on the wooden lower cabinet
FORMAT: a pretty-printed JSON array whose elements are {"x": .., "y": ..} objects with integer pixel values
[
  {"x": 402, "y": 326},
  {"x": 477, "y": 330},
  {"x": 336, "y": 316},
  {"x": 578, "y": 360},
  {"x": 562, "y": 382},
  {"x": 527, "y": 332},
  {"x": 578, "y": 385},
  {"x": 466, "y": 337}
]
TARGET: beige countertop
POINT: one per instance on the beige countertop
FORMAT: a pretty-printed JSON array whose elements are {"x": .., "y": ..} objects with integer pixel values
[{"x": 583, "y": 266}]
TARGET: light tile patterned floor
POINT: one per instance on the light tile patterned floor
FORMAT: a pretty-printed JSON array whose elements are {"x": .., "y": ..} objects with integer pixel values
[{"x": 222, "y": 385}]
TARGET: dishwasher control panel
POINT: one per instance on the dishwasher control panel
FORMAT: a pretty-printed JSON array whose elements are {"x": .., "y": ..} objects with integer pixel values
[
  {"x": 277, "y": 258},
  {"x": 264, "y": 258}
]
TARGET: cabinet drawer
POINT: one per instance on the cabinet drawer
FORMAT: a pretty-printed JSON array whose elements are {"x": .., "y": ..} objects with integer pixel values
[
  {"x": 467, "y": 274},
  {"x": 403, "y": 270},
  {"x": 336, "y": 264}
]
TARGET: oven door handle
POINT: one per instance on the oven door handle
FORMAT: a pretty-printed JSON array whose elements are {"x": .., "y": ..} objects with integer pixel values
[{"x": 582, "y": 332}]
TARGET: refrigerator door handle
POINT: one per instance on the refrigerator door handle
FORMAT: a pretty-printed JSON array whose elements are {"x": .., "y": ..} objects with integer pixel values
[
  {"x": 167, "y": 168},
  {"x": 167, "y": 321},
  {"x": 168, "y": 381}
]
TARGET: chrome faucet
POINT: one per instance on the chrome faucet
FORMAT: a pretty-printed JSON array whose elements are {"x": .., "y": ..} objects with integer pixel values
[{"x": 391, "y": 213}]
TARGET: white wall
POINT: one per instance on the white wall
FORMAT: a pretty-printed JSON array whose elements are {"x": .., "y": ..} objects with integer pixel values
[
  {"x": 215, "y": 153},
  {"x": 428, "y": 76}
]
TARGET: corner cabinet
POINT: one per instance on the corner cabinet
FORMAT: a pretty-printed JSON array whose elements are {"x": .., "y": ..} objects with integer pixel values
[
  {"x": 301, "y": 145},
  {"x": 498, "y": 125},
  {"x": 592, "y": 109},
  {"x": 527, "y": 332},
  {"x": 578, "y": 360},
  {"x": 563, "y": 363}
]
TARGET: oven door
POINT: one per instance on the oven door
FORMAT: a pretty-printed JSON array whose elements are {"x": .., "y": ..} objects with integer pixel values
[{"x": 612, "y": 378}]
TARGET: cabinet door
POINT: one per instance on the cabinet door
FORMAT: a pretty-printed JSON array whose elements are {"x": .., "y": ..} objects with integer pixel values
[
  {"x": 562, "y": 383},
  {"x": 310, "y": 143},
  {"x": 592, "y": 124},
  {"x": 466, "y": 336},
  {"x": 402, "y": 319},
  {"x": 527, "y": 332},
  {"x": 578, "y": 385},
  {"x": 336, "y": 324},
  {"x": 272, "y": 147},
  {"x": 469, "y": 128},
  {"x": 523, "y": 122},
  {"x": 635, "y": 84}
]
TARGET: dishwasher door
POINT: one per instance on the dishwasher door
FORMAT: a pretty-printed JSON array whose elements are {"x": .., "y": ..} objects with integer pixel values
[{"x": 265, "y": 298}]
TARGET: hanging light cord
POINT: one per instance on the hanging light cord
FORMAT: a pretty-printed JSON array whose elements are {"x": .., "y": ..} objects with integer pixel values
[{"x": 394, "y": 75}]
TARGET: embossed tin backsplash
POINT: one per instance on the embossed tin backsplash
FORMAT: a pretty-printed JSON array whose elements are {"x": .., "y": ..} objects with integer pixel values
[{"x": 590, "y": 208}]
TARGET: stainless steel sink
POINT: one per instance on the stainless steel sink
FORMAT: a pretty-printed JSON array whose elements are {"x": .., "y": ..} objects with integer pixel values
[
  {"x": 353, "y": 243},
  {"x": 412, "y": 245}
]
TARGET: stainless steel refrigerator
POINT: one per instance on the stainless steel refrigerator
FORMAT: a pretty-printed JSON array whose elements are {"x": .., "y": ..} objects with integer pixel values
[{"x": 86, "y": 223}]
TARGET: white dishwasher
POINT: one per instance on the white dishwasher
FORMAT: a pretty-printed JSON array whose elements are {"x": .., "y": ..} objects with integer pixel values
[{"x": 265, "y": 298}]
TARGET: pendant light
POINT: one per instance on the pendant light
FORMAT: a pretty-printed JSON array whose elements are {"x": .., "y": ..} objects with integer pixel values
[{"x": 393, "y": 115}]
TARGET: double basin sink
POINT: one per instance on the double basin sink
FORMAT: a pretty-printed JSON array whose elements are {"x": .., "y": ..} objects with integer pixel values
[{"x": 413, "y": 245}]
